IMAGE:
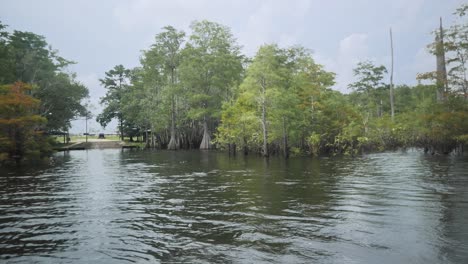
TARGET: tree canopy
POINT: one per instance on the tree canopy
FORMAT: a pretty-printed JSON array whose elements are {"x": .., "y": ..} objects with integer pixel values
[
  {"x": 48, "y": 96},
  {"x": 197, "y": 90},
  {"x": 201, "y": 92}
]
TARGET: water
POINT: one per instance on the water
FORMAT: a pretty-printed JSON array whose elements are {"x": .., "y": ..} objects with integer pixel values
[{"x": 109, "y": 206}]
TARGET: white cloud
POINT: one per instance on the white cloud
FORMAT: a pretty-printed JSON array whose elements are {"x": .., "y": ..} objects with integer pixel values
[
  {"x": 407, "y": 14},
  {"x": 353, "y": 46},
  {"x": 91, "y": 81},
  {"x": 279, "y": 22},
  {"x": 423, "y": 62},
  {"x": 148, "y": 14},
  {"x": 253, "y": 23},
  {"x": 351, "y": 50},
  {"x": 135, "y": 15}
]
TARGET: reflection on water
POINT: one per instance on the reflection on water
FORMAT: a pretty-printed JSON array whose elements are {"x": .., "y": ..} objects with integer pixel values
[{"x": 109, "y": 206}]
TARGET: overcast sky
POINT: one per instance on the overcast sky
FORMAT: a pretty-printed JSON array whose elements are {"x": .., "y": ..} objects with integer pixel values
[{"x": 101, "y": 34}]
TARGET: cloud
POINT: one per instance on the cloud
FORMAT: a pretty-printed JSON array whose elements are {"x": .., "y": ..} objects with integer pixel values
[
  {"x": 423, "y": 62},
  {"x": 149, "y": 14},
  {"x": 351, "y": 50},
  {"x": 267, "y": 23},
  {"x": 407, "y": 14},
  {"x": 91, "y": 81},
  {"x": 253, "y": 23},
  {"x": 138, "y": 14},
  {"x": 353, "y": 46}
]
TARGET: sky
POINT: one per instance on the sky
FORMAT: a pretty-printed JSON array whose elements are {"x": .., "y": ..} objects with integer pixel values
[{"x": 101, "y": 34}]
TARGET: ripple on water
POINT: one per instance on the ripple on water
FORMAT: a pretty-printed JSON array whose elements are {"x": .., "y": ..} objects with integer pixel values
[{"x": 108, "y": 206}]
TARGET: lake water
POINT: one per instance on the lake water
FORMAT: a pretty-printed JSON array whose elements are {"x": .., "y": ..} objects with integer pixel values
[{"x": 113, "y": 206}]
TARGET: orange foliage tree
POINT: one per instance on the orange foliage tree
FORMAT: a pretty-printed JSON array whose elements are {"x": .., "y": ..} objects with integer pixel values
[{"x": 19, "y": 123}]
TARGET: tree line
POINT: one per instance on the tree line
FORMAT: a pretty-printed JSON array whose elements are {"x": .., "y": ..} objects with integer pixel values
[
  {"x": 200, "y": 92},
  {"x": 38, "y": 96}
]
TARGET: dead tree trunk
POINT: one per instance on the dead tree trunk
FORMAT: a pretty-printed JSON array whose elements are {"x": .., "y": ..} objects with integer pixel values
[
  {"x": 441, "y": 81},
  {"x": 392, "y": 103}
]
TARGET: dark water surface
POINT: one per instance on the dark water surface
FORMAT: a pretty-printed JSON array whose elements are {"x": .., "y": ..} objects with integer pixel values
[{"x": 109, "y": 206}]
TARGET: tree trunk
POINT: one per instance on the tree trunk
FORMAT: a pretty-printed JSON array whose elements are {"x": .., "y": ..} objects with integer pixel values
[
  {"x": 264, "y": 121},
  {"x": 441, "y": 81},
  {"x": 365, "y": 123},
  {"x": 465, "y": 82},
  {"x": 245, "y": 149},
  {"x": 147, "y": 138},
  {"x": 311, "y": 107},
  {"x": 285, "y": 140},
  {"x": 173, "y": 144},
  {"x": 121, "y": 128},
  {"x": 392, "y": 103},
  {"x": 153, "y": 145},
  {"x": 206, "y": 141}
]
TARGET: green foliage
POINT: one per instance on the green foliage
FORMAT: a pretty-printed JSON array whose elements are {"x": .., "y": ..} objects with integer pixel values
[
  {"x": 369, "y": 90},
  {"x": 282, "y": 102},
  {"x": 27, "y": 57},
  {"x": 210, "y": 68},
  {"x": 44, "y": 97},
  {"x": 369, "y": 77},
  {"x": 61, "y": 101},
  {"x": 280, "y": 97},
  {"x": 456, "y": 47},
  {"x": 157, "y": 98},
  {"x": 20, "y": 136},
  {"x": 239, "y": 125},
  {"x": 117, "y": 84},
  {"x": 314, "y": 143}
]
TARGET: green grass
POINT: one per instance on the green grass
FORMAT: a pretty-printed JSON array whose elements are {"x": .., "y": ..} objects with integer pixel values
[
  {"x": 58, "y": 139},
  {"x": 76, "y": 138},
  {"x": 113, "y": 137}
]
